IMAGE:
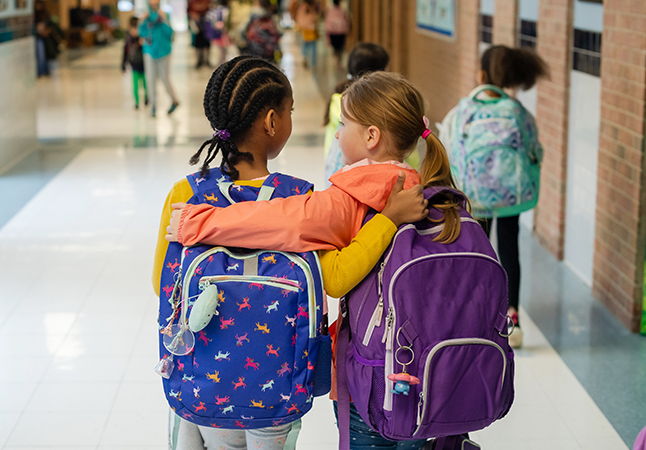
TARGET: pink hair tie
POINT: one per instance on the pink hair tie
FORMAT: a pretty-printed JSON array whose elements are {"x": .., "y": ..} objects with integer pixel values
[{"x": 425, "y": 133}]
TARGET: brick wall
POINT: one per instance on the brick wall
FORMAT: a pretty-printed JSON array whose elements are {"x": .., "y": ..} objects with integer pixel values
[
  {"x": 620, "y": 225},
  {"x": 505, "y": 22},
  {"x": 445, "y": 70},
  {"x": 554, "y": 46}
]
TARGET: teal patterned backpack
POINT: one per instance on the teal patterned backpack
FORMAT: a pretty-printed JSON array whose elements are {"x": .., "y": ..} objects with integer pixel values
[{"x": 495, "y": 154}]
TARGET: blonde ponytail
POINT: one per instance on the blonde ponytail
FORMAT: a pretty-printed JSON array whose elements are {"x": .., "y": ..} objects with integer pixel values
[
  {"x": 436, "y": 171},
  {"x": 392, "y": 104}
]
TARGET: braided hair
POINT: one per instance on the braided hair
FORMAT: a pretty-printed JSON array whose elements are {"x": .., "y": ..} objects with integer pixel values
[{"x": 238, "y": 91}]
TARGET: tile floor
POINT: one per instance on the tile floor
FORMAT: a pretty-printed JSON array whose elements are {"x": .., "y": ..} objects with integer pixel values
[{"x": 77, "y": 312}]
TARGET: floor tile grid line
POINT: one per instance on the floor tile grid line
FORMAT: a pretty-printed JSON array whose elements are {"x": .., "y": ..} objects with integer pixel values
[
  {"x": 104, "y": 263},
  {"x": 564, "y": 418},
  {"x": 111, "y": 411},
  {"x": 49, "y": 365}
]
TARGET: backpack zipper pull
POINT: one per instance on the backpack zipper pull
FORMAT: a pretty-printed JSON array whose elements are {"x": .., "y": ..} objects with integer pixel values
[
  {"x": 380, "y": 306},
  {"x": 380, "y": 277},
  {"x": 380, "y": 313},
  {"x": 419, "y": 408},
  {"x": 387, "y": 338}
]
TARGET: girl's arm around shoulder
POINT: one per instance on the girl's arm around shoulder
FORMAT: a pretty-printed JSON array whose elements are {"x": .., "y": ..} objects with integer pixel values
[
  {"x": 325, "y": 220},
  {"x": 181, "y": 192},
  {"x": 344, "y": 269}
]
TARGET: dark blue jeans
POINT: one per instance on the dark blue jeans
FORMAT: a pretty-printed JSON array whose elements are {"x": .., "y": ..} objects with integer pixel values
[{"x": 362, "y": 437}]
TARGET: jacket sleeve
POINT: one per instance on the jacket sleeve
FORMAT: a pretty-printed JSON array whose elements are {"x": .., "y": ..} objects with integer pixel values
[
  {"x": 166, "y": 29},
  {"x": 325, "y": 220},
  {"x": 344, "y": 269},
  {"x": 144, "y": 31}
]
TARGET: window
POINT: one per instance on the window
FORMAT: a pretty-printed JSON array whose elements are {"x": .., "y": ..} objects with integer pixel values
[
  {"x": 527, "y": 34},
  {"x": 586, "y": 52},
  {"x": 486, "y": 28}
]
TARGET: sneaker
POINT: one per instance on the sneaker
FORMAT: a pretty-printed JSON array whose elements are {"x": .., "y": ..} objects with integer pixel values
[
  {"x": 153, "y": 113},
  {"x": 136, "y": 105},
  {"x": 516, "y": 336},
  {"x": 146, "y": 101},
  {"x": 173, "y": 107}
]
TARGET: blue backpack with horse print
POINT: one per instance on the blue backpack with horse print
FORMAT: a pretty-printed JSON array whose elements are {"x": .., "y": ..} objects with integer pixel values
[{"x": 243, "y": 337}]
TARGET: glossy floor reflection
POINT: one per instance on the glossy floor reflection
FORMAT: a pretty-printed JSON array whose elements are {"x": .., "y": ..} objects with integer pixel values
[{"x": 77, "y": 311}]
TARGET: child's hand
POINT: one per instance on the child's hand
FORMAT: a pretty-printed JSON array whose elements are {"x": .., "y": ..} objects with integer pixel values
[
  {"x": 172, "y": 228},
  {"x": 405, "y": 205}
]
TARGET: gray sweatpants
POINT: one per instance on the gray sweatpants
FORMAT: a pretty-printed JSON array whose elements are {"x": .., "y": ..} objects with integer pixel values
[
  {"x": 184, "y": 435},
  {"x": 158, "y": 69}
]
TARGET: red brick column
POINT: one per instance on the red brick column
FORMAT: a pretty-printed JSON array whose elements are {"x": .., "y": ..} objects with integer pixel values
[
  {"x": 620, "y": 224},
  {"x": 400, "y": 25},
  {"x": 468, "y": 35},
  {"x": 554, "y": 46},
  {"x": 505, "y": 23}
]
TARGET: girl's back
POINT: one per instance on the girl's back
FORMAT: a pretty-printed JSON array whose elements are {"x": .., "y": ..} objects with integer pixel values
[
  {"x": 249, "y": 345},
  {"x": 336, "y": 21}
]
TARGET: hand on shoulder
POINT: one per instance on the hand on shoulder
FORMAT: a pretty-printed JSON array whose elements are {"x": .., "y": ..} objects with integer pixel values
[
  {"x": 173, "y": 228},
  {"x": 405, "y": 205}
]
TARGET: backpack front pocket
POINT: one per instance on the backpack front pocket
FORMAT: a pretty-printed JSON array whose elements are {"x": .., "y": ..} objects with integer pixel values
[{"x": 462, "y": 385}]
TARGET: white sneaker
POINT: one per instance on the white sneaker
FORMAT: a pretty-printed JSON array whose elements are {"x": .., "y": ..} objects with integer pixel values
[{"x": 516, "y": 338}]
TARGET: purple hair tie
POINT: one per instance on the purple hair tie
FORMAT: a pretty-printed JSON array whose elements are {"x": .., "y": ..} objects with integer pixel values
[{"x": 222, "y": 134}]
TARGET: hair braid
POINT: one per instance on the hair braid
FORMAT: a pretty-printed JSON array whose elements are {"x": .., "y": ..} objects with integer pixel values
[{"x": 236, "y": 93}]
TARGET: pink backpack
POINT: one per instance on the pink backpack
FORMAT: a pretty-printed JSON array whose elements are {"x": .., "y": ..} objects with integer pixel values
[
  {"x": 640, "y": 443},
  {"x": 336, "y": 21}
]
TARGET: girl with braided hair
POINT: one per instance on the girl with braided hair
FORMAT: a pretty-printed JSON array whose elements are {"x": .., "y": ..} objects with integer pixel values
[{"x": 248, "y": 103}]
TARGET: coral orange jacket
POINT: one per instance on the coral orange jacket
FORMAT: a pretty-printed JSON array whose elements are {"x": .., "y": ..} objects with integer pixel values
[{"x": 326, "y": 220}]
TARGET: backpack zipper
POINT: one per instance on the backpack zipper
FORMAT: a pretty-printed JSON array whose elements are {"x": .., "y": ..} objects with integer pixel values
[
  {"x": 388, "y": 335},
  {"x": 487, "y": 120},
  {"x": 294, "y": 258},
  {"x": 389, "y": 368},
  {"x": 288, "y": 285},
  {"x": 375, "y": 320},
  {"x": 421, "y": 412}
]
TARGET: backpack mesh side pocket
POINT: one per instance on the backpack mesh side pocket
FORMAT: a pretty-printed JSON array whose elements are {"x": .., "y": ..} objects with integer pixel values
[{"x": 376, "y": 402}]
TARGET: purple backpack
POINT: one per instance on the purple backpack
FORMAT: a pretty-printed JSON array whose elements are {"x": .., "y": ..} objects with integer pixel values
[{"x": 431, "y": 312}]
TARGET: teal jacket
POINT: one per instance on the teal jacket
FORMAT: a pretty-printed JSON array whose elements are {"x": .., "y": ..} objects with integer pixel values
[{"x": 157, "y": 35}]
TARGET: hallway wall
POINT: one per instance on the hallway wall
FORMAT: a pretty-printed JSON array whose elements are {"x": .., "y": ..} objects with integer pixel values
[
  {"x": 445, "y": 69},
  {"x": 17, "y": 100}
]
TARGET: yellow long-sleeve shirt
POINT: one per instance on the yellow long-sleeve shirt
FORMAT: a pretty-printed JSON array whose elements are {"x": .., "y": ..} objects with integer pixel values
[{"x": 342, "y": 269}]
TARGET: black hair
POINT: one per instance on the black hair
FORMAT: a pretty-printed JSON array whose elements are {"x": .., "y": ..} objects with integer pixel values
[
  {"x": 134, "y": 21},
  {"x": 337, "y": 2},
  {"x": 364, "y": 58},
  {"x": 238, "y": 91},
  {"x": 367, "y": 57},
  {"x": 512, "y": 67}
]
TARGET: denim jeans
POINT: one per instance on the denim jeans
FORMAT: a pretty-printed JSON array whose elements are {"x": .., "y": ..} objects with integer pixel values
[
  {"x": 362, "y": 437},
  {"x": 310, "y": 47}
]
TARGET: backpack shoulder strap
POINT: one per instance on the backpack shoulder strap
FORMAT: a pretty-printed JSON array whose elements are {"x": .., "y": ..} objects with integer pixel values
[
  {"x": 342, "y": 391},
  {"x": 473, "y": 95},
  {"x": 209, "y": 183}
]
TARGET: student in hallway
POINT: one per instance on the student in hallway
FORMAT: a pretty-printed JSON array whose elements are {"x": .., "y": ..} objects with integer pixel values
[
  {"x": 134, "y": 57},
  {"x": 156, "y": 34}
]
